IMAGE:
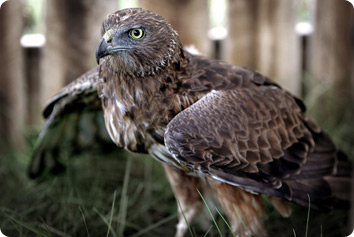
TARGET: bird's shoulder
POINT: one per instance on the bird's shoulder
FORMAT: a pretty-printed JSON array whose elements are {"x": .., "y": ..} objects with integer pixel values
[{"x": 212, "y": 74}]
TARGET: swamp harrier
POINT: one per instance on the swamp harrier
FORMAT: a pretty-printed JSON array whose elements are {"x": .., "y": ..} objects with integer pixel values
[{"x": 213, "y": 125}]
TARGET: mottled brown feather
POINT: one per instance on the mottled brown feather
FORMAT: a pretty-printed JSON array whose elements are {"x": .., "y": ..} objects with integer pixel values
[
  {"x": 288, "y": 159},
  {"x": 216, "y": 119},
  {"x": 74, "y": 124},
  {"x": 208, "y": 118}
]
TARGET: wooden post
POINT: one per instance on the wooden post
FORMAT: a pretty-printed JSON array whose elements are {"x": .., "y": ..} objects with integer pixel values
[
  {"x": 331, "y": 59},
  {"x": 241, "y": 42},
  {"x": 331, "y": 53},
  {"x": 190, "y": 18},
  {"x": 73, "y": 29},
  {"x": 262, "y": 36},
  {"x": 12, "y": 102},
  {"x": 279, "y": 45},
  {"x": 32, "y": 56},
  {"x": 331, "y": 62}
]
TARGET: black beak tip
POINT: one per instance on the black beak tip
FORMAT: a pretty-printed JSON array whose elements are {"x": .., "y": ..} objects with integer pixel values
[
  {"x": 101, "y": 50},
  {"x": 98, "y": 57}
]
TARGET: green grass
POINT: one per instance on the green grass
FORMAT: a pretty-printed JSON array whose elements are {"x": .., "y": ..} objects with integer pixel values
[
  {"x": 122, "y": 194},
  {"x": 98, "y": 195},
  {"x": 33, "y": 16},
  {"x": 95, "y": 196},
  {"x": 119, "y": 194},
  {"x": 331, "y": 106}
]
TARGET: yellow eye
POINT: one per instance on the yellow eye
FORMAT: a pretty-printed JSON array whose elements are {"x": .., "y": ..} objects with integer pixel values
[{"x": 137, "y": 33}]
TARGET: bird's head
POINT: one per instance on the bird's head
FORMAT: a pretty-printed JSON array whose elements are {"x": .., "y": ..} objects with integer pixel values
[{"x": 138, "y": 42}]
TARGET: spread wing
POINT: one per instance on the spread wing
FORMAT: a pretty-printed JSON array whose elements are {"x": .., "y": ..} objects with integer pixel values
[
  {"x": 257, "y": 137},
  {"x": 74, "y": 123}
]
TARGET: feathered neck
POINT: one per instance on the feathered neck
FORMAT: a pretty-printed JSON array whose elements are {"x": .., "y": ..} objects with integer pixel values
[{"x": 162, "y": 81}]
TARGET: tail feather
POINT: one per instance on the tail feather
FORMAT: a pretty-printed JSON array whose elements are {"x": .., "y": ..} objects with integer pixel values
[
  {"x": 341, "y": 182},
  {"x": 325, "y": 177}
]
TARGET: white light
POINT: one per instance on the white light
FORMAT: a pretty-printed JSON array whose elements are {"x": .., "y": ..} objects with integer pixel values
[
  {"x": 217, "y": 33},
  {"x": 1, "y": 2},
  {"x": 351, "y": 235},
  {"x": 2, "y": 235},
  {"x": 32, "y": 40},
  {"x": 304, "y": 28},
  {"x": 351, "y": 1}
]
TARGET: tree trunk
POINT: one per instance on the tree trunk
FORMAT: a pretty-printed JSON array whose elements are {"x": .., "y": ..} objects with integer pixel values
[
  {"x": 331, "y": 53},
  {"x": 12, "y": 101},
  {"x": 32, "y": 56},
  {"x": 241, "y": 42},
  {"x": 279, "y": 45},
  {"x": 262, "y": 36},
  {"x": 331, "y": 62},
  {"x": 190, "y": 18},
  {"x": 73, "y": 29}
]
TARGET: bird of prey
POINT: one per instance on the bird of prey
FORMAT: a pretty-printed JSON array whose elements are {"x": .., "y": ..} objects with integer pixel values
[{"x": 214, "y": 126}]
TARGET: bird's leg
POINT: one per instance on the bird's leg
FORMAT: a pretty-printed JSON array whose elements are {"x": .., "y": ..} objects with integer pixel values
[
  {"x": 185, "y": 190},
  {"x": 243, "y": 209}
]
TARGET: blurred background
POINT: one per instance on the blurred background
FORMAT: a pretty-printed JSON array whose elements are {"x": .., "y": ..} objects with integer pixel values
[{"x": 307, "y": 46}]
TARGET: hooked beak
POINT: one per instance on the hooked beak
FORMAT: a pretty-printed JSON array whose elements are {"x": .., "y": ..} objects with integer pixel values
[
  {"x": 104, "y": 49},
  {"x": 101, "y": 50}
]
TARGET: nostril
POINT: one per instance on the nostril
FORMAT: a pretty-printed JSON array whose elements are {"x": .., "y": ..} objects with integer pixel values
[{"x": 108, "y": 36}]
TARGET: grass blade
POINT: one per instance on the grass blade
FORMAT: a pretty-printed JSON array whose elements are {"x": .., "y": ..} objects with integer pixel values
[
  {"x": 155, "y": 225},
  {"x": 243, "y": 223},
  {"x": 211, "y": 214},
  {"x": 111, "y": 217},
  {"x": 185, "y": 219},
  {"x": 208, "y": 231},
  {"x": 28, "y": 227},
  {"x": 228, "y": 225},
  {"x": 308, "y": 216},
  {"x": 84, "y": 220},
  {"x": 123, "y": 207},
  {"x": 101, "y": 215},
  {"x": 50, "y": 229}
]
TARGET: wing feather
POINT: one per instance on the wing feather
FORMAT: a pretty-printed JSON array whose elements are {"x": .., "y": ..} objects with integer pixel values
[
  {"x": 258, "y": 138},
  {"x": 74, "y": 123}
]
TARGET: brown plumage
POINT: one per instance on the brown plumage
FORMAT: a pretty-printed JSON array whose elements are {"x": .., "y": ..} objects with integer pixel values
[
  {"x": 74, "y": 123},
  {"x": 214, "y": 126}
]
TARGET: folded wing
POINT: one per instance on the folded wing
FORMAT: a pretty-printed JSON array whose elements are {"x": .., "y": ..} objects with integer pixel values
[{"x": 258, "y": 138}]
